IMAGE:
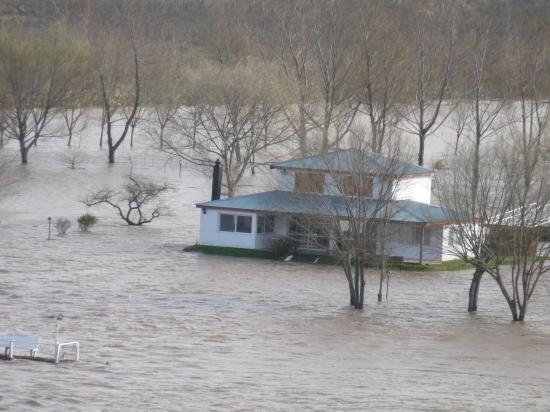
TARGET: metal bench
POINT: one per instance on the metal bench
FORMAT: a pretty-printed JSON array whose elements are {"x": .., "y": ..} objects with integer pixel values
[{"x": 12, "y": 342}]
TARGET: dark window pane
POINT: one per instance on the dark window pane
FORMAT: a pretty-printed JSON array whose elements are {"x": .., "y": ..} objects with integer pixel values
[
  {"x": 244, "y": 224},
  {"x": 269, "y": 224},
  {"x": 261, "y": 222},
  {"x": 227, "y": 223}
]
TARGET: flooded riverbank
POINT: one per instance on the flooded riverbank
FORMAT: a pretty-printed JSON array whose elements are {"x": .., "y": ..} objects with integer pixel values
[{"x": 161, "y": 329}]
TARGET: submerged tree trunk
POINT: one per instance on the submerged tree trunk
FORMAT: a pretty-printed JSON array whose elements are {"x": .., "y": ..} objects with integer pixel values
[
  {"x": 112, "y": 151},
  {"x": 24, "y": 152},
  {"x": 361, "y": 266},
  {"x": 349, "y": 277},
  {"x": 132, "y": 136},
  {"x": 474, "y": 290},
  {"x": 522, "y": 312}
]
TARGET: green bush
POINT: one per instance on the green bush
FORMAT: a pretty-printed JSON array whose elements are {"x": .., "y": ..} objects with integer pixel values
[
  {"x": 86, "y": 221},
  {"x": 281, "y": 247}
]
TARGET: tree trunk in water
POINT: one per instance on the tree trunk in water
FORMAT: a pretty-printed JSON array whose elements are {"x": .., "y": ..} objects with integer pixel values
[
  {"x": 132, "y": 137},
  {"x": 101, "y": 135},
  {"x": 361, "y": 266},
  {"x": 422, "y": 139},
  {"x": 111, "y": 155},
  {"x": 514, "y": 310},
  {"x": 474, "y": 290},
  {"x": 23, "y": 149},
  {"x": 522, "y": 312},
  {"x": 1, "y": 138},
  {"x": 161, "y": 137},
  {"x": 70, "y": 138},
  {"x": 347, "y": 271}
]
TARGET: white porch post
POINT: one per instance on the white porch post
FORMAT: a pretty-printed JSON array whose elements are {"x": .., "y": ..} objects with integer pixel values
[{"x": 422, "y": 243}]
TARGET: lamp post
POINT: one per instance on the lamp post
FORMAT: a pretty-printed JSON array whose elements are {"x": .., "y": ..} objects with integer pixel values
[{"x": 49, "y": 228}]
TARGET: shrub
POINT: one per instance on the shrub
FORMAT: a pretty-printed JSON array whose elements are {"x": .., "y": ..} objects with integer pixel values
[
  {"x": 62, "y": 225},
  {"x": 86, "y": 221},
  {"x": 282, "y": 246},
  {"x": 439, "y": 164}
]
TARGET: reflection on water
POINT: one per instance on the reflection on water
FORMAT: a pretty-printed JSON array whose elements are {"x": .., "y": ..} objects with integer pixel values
[{"x": 161, "y": 329}]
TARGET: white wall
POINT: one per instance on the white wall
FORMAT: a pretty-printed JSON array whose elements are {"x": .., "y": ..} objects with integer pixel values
[
  {"x": 211, "y": 235},
  {"x": 401, "y": 242},
  {"x": 284, "y": 180},
  {"x": 418, "y": 189}
]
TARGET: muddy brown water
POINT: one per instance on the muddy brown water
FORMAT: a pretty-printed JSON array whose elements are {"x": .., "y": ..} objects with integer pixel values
[{"x": 165, "y": 330}]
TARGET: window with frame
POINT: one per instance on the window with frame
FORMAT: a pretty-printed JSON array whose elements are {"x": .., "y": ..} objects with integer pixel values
[
  {"x": 309, "y": 182},
  {"x": 356, "y": 185},
  {"x": 235, "y": 223},
  {"x": 417, "y": 236},
  {"x": 266, "y": 224}
]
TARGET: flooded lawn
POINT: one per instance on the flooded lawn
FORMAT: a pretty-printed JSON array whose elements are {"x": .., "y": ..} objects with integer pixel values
[{"x": 161, "y": 329}]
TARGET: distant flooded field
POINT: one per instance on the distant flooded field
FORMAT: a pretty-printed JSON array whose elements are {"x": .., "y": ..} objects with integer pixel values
[{"x": 161, "y": 329}]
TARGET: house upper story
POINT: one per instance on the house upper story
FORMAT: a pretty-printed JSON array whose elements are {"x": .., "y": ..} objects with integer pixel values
[{"x": 349, "y": 170}]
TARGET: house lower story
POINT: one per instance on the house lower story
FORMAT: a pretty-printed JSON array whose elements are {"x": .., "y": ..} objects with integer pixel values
[{"x": 415, "y": 232}]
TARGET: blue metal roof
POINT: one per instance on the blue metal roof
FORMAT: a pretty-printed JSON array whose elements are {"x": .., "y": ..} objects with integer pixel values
[
  {"x": 318, "y": 204},
  {"x": 349, "y": 161}
]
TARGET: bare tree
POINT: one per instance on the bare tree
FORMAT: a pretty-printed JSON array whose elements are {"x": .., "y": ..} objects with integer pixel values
[
  {"x": 295, "y": 52},
  {"x": 433, "y": 61},
  {"x": 236, "y": 118},
  {"x": 350, "y": 215},
  {"x": 133, "y": 203},
  {"x": 118, "y": 71},
  {"x": 381, "y": 78},
  {"x": 164, "y": 95},
  {"x": 459, "y": 122},
  {"x": 75, "y": 121},
  {"x": 334, "y": 47},
  {"x": 481, "y": 115},
  {"x": 139, "y": 116},
  {"x": 499, "y": 194},
  {"x": 40, "y": 74}
]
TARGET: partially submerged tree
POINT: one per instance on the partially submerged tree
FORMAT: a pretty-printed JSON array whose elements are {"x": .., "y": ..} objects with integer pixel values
[
  {"x": 164, "y": 94},
  {"x": 352, "y": 219},
  {"x": 75, "y": 120},
  {"x": 137, "y": 204},
  {"x": 381, "y": 79},
  {"x": 236, "y": 117},
  {"x": 434, "y": 48},
  {"x": 40, "y": 75},
  {"x": 295, "y": 53},
  {"x": 335, "y": 44},
  {"x": 118, "y": 69}
]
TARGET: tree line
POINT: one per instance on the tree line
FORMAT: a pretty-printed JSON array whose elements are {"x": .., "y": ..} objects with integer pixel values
[{"x": 315, "y": 69}]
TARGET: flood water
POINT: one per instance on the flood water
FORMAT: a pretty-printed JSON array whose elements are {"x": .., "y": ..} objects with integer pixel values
[{"x": 161, "y": 329}]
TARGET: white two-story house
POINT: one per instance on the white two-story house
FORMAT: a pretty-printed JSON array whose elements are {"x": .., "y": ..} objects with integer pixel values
[{"x": 418, "y": 231}]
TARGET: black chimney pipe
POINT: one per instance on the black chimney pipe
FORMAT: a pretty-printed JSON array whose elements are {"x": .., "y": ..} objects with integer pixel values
[{"x": 216, "y": 181}]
